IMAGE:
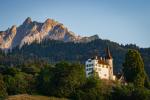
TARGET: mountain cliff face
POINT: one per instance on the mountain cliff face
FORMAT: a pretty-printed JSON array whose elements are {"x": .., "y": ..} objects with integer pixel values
[
  {"x": 7, "y": 37},
  {"x": 32, "y": 31}
]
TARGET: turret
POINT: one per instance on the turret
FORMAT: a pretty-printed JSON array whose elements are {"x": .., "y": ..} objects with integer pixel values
[
  {"x": 109, "y": 60},
  {"x": 108, "y": 54},
  {"x": 108, "y": 57}
]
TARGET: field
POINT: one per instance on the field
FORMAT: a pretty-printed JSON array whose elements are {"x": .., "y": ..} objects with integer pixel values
[{"x": 32, "y": 97}]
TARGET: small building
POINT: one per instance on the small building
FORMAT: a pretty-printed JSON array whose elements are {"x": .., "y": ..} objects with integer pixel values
[{"x": 103, "y": 66}]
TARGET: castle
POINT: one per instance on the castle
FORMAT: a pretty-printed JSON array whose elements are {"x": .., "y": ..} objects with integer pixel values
[{"x": 102, "y": 66}]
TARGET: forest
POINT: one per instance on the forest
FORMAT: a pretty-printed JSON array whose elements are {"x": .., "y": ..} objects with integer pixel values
[
  {"x": 57, "y": 69},
  {"x": 56, "y": 51},
  {"x": 67, "y": 80}
]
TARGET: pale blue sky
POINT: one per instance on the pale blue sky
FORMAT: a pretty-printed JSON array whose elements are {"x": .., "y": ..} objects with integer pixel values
[{"x": 122, "y": 21}]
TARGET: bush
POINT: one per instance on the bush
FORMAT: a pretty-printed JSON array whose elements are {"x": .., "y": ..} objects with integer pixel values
[
  {"x": 93, "y": 89},
  {"x": 122, "y": 92},
  {"x": 130, "y": 92},
  {"x": 3, "y": 92},
  {"x": 141, "y": 94},
  {"x": 18, "y": 84}
]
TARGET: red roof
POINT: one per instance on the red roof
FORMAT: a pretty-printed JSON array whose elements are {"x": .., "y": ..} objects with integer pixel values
[{"x": 102, "y": 62}]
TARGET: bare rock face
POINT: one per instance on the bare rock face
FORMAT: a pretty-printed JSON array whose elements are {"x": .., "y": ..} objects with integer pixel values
[
  {"x": 7, "y": 37},
  {"x": 32, "y": 31},
  {"x": 88, "y": 39},
  {"x": 27, "y": 21},
  {"x": 35, "y": 34}
]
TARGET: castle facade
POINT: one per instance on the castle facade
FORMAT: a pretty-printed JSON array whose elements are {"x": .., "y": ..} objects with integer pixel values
[{"x": 103, "y": 66}]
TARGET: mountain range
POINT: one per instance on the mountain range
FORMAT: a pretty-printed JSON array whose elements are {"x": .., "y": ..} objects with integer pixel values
[{"x": 33, "y": 31}]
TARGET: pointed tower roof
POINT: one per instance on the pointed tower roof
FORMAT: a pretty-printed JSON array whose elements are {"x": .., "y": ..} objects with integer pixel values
[{"x": 108, "y": 54}]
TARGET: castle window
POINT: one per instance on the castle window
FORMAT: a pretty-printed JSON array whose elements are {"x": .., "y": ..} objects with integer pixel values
[
  {"x": 89, "y": 69},
  {"x": 89, "y": 60},
  {"x": 90, "y": 73},
  {"x": 90, "y": 65}
]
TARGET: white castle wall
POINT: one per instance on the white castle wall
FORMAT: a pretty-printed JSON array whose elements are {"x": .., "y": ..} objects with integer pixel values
[{"x": 104, "y": 71}]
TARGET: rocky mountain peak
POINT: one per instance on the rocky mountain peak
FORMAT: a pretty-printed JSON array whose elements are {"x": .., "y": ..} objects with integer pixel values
[
  {"x": 48, "y": 25},
  {"x": 27, "y": 21},
  {"x": 50, "y": 21},
  {"x": 95, "y": 37},
  {"x": 13, "y": 29}
]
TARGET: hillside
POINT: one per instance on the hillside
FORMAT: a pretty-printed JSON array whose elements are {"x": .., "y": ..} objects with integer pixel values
[{"x": 55, "y": 51}]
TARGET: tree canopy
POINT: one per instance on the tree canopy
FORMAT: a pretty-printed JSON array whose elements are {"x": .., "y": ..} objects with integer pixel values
[{"x": 133, "y": 68}]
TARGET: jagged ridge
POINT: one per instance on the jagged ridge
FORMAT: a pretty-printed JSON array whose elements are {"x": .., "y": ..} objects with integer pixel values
[{"x": 32, "y": 31}]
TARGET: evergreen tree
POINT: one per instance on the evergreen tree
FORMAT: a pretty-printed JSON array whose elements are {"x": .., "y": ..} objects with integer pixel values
[{"x": 133, "y": 68}]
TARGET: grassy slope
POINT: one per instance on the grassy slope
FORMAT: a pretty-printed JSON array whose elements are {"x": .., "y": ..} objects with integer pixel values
[{"x": 32, "y": 97}]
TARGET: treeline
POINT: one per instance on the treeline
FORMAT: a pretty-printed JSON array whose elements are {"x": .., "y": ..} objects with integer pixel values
[
  {"x": 55, "y": 51},
  {"x": 68, "y": 80}
]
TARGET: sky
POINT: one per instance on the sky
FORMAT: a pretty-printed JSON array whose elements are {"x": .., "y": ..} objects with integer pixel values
[{"x": 121, "y": 21}]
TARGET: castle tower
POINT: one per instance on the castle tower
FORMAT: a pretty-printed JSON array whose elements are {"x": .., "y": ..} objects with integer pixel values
[{"x": 109, "y": 61}]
